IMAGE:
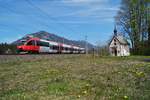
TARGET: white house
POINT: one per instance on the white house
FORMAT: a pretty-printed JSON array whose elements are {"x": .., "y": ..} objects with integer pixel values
[{"x": 119, "y": 46}]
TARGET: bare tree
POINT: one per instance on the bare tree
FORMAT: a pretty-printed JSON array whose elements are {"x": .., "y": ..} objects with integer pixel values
[{"x": 133, "y": 17}]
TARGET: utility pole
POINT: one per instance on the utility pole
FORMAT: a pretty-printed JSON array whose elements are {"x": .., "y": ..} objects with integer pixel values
[{"x": 86, "y": 45}]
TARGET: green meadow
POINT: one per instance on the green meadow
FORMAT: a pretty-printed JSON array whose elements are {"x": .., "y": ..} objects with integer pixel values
[{"x": 74, "y": 77}]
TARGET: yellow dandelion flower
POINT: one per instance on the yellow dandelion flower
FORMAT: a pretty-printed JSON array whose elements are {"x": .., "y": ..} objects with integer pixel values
[
  {"x": 125, "y": 97},
  {"x": 87, "y": 85},
  {"x": 79, "y": 96},
  {"x": 140, "y": 74},
  {"x": 84, "y": 92},
  {"x": 119, "y": 72}
]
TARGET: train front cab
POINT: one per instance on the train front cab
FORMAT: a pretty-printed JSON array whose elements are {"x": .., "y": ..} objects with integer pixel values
[{"x": 30, "y": 47}]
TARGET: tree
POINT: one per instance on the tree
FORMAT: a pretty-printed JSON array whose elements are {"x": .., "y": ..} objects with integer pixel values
[
  {"x": 7, "y": 48},
  {"x": 133, "y": 17}
]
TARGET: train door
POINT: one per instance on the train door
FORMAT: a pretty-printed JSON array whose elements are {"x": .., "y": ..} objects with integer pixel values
[
  {"x": 60, "y": 48},
  {"x": 71, "y": 49}
]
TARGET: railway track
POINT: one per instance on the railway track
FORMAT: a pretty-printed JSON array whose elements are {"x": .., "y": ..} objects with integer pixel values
[{"x": 33, "y": 57}]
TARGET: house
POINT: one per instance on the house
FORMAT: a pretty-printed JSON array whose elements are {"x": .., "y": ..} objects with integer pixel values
[{"x": 118, "y": 45}]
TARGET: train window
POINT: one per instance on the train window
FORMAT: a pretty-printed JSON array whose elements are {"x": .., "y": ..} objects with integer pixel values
[
  {"x": 38, "y": 43},
  {"x": 41, "y": 43},
  {"x": 55, "y": 47},
  {"x": 66, "y": 48},
  {"x": 71, "y": 49},
  {"x": 32, "y": 42}
]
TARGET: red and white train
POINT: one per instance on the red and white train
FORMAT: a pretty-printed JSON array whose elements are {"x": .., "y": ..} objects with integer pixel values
[{"x": 36, "y": 45}]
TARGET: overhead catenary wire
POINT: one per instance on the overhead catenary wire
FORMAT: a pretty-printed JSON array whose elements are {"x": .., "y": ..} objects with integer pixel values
[
  {"x": 41, "y": 13},
  {"x": 49, "y": 16},
  {"x": 12, "y": 10}
]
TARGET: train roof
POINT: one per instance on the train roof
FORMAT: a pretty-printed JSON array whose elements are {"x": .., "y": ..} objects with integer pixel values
[{"x": 66, "y": 45}]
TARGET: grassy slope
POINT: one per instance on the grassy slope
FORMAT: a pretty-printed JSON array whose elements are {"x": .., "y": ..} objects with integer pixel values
[{"x": 41, "y": 77}]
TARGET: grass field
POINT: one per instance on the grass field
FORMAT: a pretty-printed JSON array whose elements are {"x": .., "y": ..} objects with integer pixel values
[{"x": 74, "y": 77}]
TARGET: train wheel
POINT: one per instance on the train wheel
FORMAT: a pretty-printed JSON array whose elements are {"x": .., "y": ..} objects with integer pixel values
[
  {"x": 36, "y": 52},
  {"x": 33, "y": 52},
  {"x": 30, "y": 52}
]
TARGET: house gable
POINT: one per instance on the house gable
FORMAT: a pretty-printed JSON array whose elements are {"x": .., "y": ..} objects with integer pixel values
[
  {"x": 114, "y": 42},
  {"x": 120, "y": 39}
]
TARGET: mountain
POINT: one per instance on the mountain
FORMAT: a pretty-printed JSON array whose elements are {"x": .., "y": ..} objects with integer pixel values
[{"x": 52, "y": 37}]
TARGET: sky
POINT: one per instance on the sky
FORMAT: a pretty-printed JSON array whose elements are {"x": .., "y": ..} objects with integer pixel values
[{"x": 72, "y": 19}]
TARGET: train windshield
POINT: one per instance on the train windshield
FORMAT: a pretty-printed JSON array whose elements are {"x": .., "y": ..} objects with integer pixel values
[
  {"x": 21, "y": 43},
  {"x": 32, "y": 42}
]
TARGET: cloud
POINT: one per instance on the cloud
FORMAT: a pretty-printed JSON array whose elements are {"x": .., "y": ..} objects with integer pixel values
[
  {"x": 91, "y": 8},
  {"x": 101, "y": 10},
  {"x": 94, "y": 11},
  {"x": 84, "y": 2}
]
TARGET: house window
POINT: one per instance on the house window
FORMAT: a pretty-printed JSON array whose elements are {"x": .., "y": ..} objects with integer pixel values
[{"x": 115, "y": 42}]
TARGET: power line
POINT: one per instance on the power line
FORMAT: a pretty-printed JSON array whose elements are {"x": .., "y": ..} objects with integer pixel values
[
  {"x": 10, "y": 9},
  {"x": 49, "y": 16},
  {"x": 22, "y": 14}
]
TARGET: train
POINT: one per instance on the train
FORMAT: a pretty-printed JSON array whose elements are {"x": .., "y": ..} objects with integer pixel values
[{"x": 37, "y": 45}]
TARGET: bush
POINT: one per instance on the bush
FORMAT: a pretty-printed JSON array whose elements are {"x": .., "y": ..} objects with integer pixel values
[{"x": 7, "y": 48}]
